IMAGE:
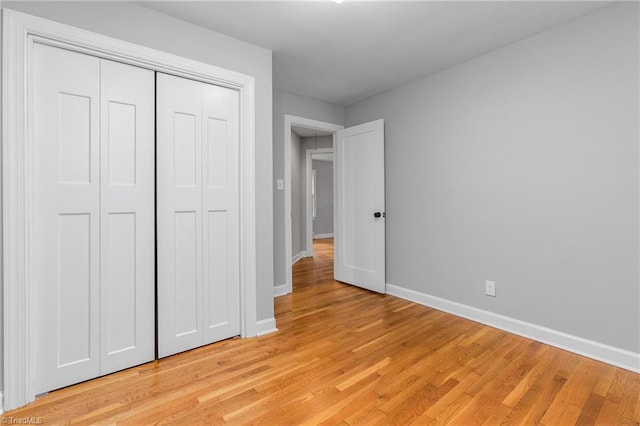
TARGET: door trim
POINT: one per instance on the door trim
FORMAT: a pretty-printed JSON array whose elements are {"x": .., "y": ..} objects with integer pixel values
[
  {"x": 20, "y": 32},
  {"x": 309, "y": 199},
  {"x": 289, "y": 121}
]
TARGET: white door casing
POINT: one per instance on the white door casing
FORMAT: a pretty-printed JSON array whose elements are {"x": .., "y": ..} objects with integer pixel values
[
  {"x": 20, "y": 34},
  {"x": 197, "y": 208},
  {"x": 359, "y": 256},
  {"x": 289, "y": 121},
  {"x": 309, "y": 197}
]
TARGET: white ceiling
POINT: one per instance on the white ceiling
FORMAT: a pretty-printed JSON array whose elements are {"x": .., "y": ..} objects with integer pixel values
[{"x": 342, "y": 53}]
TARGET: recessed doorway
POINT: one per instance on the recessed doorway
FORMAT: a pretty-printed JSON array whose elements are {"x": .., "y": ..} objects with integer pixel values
[{"x": 304, "y": 138}]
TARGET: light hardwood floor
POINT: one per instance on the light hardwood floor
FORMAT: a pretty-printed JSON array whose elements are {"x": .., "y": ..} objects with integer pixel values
[{"x": 348, "y": 356}]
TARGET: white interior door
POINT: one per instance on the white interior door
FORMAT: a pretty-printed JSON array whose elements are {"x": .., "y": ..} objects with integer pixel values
[
  {"x": 179, "y": 213},
  {"x": 197, "y": 211},
  {"x": 93, "y": 242},
  {"x": 359, "y": 256},
  {"x": 127, "y": 216},
  {"x": 67, "y": 217},
  {"x": 221, "y": 203}
]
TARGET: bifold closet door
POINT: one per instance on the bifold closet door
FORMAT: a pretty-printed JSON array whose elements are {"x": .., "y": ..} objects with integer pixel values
[
  {"x": 127, "y": 216},
  {"x": 197, "y": 213},
  {"x": 67, "y": 217},
  {"x": 92, "y": 254}
]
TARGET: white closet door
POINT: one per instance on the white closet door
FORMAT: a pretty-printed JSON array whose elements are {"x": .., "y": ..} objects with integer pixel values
[
  {"x": 127, "y": 245},
  {"x": 66, "y": 206},
  {"x": 93, "y": 249},
  {"x": 179, "y": 213},
  {"x": 221, "y": 250},
  {"x": 197, "y": 210}
]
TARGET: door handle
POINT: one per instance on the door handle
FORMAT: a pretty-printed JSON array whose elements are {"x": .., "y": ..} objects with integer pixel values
[{"x": 378, "y": 215}]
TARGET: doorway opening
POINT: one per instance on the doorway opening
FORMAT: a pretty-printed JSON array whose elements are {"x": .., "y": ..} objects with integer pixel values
[
  {"x": 319, "y": 220},
  {"x": 315, "y": 271},
  {"x": 319, "y": 195},
  {"x": 307, "y": 143}
]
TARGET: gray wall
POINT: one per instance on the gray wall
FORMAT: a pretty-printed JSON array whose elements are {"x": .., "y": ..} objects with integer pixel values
[
  {"x": 288, "y": 103},
  {"x": 297, "y": 196},
  {"x": 1, "y": 235},
  {"x": 521, "y": 166},
  {"x": 137, "y": 24},
  {"x": 323, "y": 224}
]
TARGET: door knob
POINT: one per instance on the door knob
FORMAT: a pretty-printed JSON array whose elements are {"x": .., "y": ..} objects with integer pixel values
[{"x": 377, "y": 215}]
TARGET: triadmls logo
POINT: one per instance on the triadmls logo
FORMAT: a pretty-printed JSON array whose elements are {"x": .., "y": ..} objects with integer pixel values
[{"x": 9, "y": 420}]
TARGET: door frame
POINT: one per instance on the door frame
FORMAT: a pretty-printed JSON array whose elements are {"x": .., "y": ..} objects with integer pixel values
[
  {"x": 290, "y": 121},
  {"x": 20, "y": 32},
  {"x": 309, "y": 200}
]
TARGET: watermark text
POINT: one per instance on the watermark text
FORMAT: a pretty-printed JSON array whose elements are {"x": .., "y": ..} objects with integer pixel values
[{"x": 10, "y": 420}]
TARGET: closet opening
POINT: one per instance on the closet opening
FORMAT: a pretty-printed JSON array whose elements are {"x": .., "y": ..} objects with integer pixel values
[{"x": 81, "y": 189}]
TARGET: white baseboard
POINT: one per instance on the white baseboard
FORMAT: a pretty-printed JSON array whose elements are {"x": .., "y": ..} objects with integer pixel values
[
  {"x": 298, "y": 256},
  {"x": 318, "y": 236},
  {"x": 610, "y": 354},
  {"x": 280, "y": 290},
  {"x": 266, "y": 326}
]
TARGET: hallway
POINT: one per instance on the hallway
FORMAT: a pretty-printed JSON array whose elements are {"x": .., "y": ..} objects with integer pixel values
[{"x": 310, "y": 271}]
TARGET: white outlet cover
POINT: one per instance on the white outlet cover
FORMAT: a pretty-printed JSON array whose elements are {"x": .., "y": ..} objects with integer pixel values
[{"x": 490, "y": 288}]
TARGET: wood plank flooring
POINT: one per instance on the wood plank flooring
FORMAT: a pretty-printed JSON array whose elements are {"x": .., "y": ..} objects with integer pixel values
[{"x": 346, "y": 356}]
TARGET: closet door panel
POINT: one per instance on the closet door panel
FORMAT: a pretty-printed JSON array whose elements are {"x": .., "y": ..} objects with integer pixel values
[
  {"x": 221, "y": 251},
  {"x": 127, "y": 216},
  {"x": 66, "y": 234},
  {"x": 179, "y": 213},
  {"x": 73, "y": 292},
  {"x": 186, "y": 291}
]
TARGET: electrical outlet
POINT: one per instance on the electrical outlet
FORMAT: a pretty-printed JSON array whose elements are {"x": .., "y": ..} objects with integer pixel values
[{"x": 490, "y": 288}]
